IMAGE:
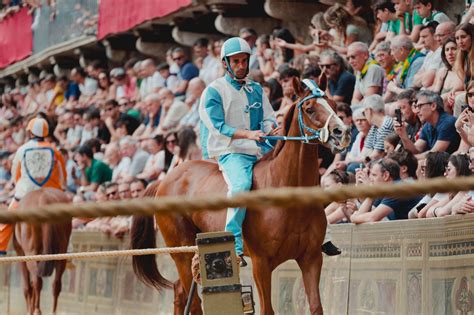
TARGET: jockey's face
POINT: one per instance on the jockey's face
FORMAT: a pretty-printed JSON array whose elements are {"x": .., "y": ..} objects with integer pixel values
[{"x": 239, "y": 64}]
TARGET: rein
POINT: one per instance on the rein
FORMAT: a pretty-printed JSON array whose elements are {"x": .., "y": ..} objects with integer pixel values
[{"x": 322, "y": 134}]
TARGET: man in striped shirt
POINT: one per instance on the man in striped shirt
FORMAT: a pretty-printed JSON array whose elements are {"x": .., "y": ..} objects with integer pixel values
[{"x": 382, "y": 125}]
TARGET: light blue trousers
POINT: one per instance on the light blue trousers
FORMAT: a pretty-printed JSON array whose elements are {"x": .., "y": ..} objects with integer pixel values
[{"x": 238, "y": 171}]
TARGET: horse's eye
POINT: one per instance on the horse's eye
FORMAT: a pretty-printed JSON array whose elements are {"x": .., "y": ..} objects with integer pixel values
[{"x": 309, "y": 110}]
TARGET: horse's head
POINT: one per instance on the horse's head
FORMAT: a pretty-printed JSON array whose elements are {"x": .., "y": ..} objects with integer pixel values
[{"x": 317, "y": 116}]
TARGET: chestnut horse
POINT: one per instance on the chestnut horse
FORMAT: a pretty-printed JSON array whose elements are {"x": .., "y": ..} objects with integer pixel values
[
  {"x": 271, "y": 237},
  {"x": 41, "y": 239}
]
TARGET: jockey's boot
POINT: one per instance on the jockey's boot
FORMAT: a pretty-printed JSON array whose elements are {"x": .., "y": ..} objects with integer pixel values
[
  {"x": 330, "y": 249},
  {"x": 243, "y": 263}
]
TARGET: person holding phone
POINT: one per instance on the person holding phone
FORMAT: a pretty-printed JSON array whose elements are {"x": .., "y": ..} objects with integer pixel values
[
  {"x": 464, "y": 122},
  {"x": 383, "y": 171}
]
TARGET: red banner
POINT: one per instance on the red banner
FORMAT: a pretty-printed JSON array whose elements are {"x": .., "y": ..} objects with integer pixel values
[
  {"x": 120, "y": 15},
  {"x": 16, "y": 38}
]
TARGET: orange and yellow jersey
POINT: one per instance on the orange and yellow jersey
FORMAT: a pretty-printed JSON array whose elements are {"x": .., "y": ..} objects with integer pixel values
[{"x": 38, "y": 164}]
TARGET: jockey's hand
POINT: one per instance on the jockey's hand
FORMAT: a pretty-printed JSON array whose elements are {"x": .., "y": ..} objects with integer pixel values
[
  {"x": 276, "y": 132},
  {"x": 255, "y": 135}
]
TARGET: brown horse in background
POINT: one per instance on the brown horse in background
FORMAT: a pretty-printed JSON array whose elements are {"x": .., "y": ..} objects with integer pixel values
[
  {"x": 41, "y": 239},
  {"x": 271, "y": 237}
]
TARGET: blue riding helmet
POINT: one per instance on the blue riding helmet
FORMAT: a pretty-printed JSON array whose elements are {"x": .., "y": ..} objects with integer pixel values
[{"x": 234, "y": 46}]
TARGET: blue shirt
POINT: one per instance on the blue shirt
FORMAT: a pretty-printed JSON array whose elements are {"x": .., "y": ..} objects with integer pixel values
[
  {"x": 400, "y": 207},
  {"x": 343, "y": 86},
  {"x": 72, "y": 90},
  {"x": 444, "y": 131},
  {"x": 188, "y": 71}
]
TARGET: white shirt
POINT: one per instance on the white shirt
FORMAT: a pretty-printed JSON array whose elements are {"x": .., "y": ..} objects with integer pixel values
[
  {"x": 210, "y": 69},
  {"x": 121, "y": 168},
  {"x": 89, "y": 87},
  {"x": 433, "y": 60}
]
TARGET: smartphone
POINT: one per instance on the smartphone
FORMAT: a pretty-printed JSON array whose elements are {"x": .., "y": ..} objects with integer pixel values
[
  {"x": 469, "y": 108},
  {"x": 398, "y": 115}
]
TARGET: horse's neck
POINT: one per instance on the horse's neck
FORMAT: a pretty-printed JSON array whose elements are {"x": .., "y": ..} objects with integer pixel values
[{"x": 297, "y": 163}]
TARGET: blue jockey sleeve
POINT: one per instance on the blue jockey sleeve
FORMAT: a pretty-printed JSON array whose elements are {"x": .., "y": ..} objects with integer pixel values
[{"x": 215, "y": 111}]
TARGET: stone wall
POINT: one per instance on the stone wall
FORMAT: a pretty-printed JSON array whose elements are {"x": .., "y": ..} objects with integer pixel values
[{"x": 406, "y": 267}]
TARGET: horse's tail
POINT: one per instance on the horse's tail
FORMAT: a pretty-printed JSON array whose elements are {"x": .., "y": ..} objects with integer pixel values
[
  {"x": 143, "y": 235},
  {"x": 46, "y": 268}
]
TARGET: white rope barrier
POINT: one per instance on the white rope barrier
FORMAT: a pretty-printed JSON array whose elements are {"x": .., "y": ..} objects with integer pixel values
[{"x": 104, "y": 254}]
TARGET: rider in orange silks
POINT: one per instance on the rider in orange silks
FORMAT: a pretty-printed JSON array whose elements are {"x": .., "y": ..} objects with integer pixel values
[{"x": 37, "y": 164}]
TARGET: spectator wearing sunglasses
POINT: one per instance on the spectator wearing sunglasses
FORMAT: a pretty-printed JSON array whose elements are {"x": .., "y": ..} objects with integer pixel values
[
  {"x": 341, "y": 82},
  {"x": 187, "y": 70},
  {"x": 438, "y": 133}
]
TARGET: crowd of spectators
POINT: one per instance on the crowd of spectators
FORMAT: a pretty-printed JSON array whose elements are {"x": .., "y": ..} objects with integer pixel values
[{"x": 404, "y": 85}]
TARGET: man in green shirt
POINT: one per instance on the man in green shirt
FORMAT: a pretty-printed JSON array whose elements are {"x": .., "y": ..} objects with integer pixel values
[
  {"x": 94, "y": 172},
  {"x": 425, "y": 8},
  {"x": 412, "y": 21}
]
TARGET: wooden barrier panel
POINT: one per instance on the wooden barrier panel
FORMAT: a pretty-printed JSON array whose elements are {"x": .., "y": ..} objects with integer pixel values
[{"x": 405, "y": 267}]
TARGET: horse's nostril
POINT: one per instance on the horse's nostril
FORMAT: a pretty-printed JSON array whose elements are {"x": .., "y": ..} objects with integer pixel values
[{"x": 337, "y": 132}]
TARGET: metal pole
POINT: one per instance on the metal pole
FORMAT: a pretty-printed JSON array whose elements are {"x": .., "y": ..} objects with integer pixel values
[{"x": 190, "y": 298}]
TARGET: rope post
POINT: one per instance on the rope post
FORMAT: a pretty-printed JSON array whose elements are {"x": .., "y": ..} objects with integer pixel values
[{"x": 221, "y": 288}]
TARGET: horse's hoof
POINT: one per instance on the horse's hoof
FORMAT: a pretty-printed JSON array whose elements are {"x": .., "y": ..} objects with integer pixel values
[{"x": 37, "y": 312}]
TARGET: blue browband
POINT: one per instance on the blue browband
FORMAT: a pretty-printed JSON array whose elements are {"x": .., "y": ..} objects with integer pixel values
[{"x": 313, "y": 133}]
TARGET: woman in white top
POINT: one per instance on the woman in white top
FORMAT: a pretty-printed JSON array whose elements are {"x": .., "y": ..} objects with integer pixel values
[{"x": 349, "y": 28}]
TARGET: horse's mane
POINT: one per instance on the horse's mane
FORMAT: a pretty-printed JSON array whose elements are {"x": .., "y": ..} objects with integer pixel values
[
  {"x": 288, "y": 119},
  {"x": 151, "y": 189}
]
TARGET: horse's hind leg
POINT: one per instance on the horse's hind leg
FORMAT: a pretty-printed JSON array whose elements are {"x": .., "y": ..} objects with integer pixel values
[
  {"x": 27, "y": 289},
  {"x": 262, "y": 274},
  {"x": 183, "y": 264},
  {"x": 37, "y": 286},
  {"x": 57, "y": 284},
  {"x": 311, "y": 268}
]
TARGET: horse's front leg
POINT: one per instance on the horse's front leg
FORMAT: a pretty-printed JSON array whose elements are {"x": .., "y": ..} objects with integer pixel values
[
  {"x": 311, "y": 268},
  {"x": 27, "y": 289},
  {"x": 262, "y": 274},
  {"x": 37, "y": 286},
  {"x": 57, "y": 285}
]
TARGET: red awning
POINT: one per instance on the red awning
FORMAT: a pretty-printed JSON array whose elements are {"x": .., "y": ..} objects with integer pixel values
[
  {"x": 16, "y": 38},
  {"x": 120, "y": 15}
]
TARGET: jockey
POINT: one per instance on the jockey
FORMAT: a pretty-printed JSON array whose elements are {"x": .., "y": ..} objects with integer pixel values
[
  {"x": 37, "y": 164},
  {"x": 235, "y": 114}
]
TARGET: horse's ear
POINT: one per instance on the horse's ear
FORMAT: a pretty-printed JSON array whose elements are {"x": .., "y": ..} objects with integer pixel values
[
  {"x": 299, "y": 91},
  {"x": 323, "y": 81}
]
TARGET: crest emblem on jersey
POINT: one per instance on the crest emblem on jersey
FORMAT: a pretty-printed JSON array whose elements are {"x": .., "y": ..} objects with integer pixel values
[{"x": 39, "y": 164}]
